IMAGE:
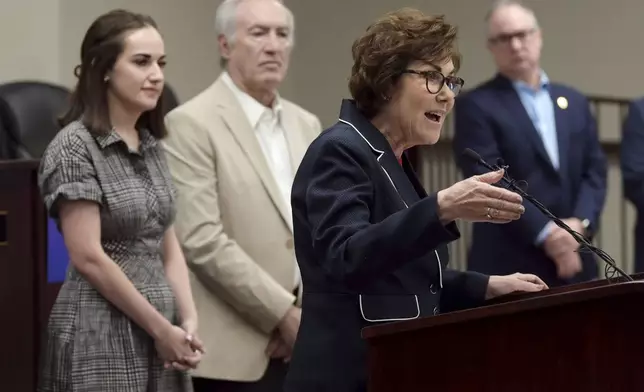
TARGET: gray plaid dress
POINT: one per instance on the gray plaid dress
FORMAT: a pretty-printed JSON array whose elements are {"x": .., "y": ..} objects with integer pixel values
[{"x": 91, "y": 345}]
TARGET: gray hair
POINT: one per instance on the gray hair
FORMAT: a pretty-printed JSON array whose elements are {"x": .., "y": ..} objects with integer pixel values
[
  {"x": 506, "y": 3},
  {"x": 226, "y": 21}
]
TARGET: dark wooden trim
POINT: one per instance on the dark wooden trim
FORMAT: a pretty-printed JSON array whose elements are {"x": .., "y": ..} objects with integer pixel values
[
  {"x": 19, "y": 164},
  {"x": 602, "y": 99},
  {"x": 547, "y": 298},
  {"x": 611, "y": 148},
  {"x": 20, "y": 283},
  {"x": 50, "y": 293},
  {"x": 584, "y": 338}
]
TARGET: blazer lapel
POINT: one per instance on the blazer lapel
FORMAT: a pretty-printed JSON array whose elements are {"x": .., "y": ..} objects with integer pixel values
[
  {"x": 239, "y": 126},
  {"x": 516, "y": 111},
  {"x": 294, "y": 138},
  {"x": 392, "y": 170},
  {"x": 399, "y": 178},
  {"x": 413, "y": 178}
]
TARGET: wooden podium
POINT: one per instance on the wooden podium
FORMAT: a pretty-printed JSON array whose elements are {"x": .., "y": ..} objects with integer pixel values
[
  {"x": 25, "y": 296},
  {"x": 587, "y": 337}
]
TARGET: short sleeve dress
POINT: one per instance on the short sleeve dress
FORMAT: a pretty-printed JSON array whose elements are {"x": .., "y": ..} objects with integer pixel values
[{"x": 91, "y": 345}]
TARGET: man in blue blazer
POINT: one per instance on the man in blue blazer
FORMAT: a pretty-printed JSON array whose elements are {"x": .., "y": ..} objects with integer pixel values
[
  {"x": 632, "y": 163},
  {"x": 547, "y": 135}
]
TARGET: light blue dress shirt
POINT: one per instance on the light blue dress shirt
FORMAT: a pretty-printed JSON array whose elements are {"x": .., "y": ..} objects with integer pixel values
[{"x": 538, "y": 103}]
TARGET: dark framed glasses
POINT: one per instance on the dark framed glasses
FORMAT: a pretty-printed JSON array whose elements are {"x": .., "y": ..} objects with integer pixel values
[
  {"x": 506, "y": 38},
  {"x": 434, "y": 81}
]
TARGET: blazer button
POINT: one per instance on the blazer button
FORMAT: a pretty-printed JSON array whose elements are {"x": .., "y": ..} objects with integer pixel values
[
  {"x": 432, "y": 289},
  {"x": 435, "y": 310},
  {"x": 289, "y": 243}
]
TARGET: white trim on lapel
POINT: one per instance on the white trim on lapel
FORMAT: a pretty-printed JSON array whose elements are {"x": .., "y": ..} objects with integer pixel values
[{"x": 381, "y": 153}]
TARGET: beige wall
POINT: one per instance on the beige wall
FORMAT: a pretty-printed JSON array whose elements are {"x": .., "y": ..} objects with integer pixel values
[
  {"x": 593, "y": 47},
  {"x": 186, "y": 26},
  {"x": 29, "y": 43},
  {"x": 591, "y": 44}
]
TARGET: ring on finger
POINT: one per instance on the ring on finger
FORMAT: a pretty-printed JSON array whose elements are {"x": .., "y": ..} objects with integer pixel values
[{"x": 489, "y": 213}]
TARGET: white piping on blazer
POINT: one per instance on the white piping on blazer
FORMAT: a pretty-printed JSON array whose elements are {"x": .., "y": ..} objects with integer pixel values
[{"x": 438, "y": 259}]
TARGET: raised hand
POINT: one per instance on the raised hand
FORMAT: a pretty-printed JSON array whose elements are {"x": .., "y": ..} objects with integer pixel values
[{"x": 475, "y": 199}]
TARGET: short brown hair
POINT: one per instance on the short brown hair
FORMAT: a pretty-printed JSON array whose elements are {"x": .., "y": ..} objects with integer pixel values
[
  {"x": 102, "y": 45},
  {"x": 387, "y": 48}
]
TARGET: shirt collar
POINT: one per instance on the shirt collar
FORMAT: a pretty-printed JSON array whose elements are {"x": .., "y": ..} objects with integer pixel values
[
  {"x": 146, "y": 139},
  {"x": 544, "y": 83},
  {"x": 252, "y": 108}
]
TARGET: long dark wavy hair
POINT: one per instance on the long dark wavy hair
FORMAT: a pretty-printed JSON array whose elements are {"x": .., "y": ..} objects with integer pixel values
[{"x": 102, "y": 45}]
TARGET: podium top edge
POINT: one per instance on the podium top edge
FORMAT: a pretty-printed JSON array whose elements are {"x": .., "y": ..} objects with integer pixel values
[{"x": 549, "y": 298}]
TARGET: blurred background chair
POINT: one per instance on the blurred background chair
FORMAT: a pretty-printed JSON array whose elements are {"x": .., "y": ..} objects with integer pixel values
[
  {"x": 4, "y": 144},
  {"x": 170, "y": 100},
  {"x": 29, "y": 111}
]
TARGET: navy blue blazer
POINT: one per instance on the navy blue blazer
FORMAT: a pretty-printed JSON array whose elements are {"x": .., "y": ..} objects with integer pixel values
[
  {"x": 632, "y": 164},
  {"x": 491, "y": 120},
  {"x": 371, "y": 249}
]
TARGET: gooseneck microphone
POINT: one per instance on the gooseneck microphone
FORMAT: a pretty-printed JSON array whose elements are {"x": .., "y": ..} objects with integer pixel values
[{"x": 519, "y": 186}]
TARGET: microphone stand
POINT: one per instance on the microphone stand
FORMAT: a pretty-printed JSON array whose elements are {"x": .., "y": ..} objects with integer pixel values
[{"x": 583, "y": 242}]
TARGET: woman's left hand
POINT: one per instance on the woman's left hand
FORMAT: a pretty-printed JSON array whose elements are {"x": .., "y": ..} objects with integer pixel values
[
  {"x": 502, "y": 285},
  {"x": 190, "y": 326}
]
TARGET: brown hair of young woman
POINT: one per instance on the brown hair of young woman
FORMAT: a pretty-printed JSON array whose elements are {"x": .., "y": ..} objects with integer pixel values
[{"x": 102, "y": 45}]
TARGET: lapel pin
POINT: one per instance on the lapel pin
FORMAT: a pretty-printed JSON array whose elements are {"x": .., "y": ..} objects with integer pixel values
[{"x": 562, "y": 102}]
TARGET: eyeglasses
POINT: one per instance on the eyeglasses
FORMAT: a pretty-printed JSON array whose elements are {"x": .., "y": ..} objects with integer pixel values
[
  {"x": 434, "y": 81},
  {"x": 506, "y": 38}
]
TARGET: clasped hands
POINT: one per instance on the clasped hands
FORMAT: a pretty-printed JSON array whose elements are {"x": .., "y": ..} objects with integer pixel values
[
  {"x": 562, "y": 248},
  {"x": 180, "y": 347}
]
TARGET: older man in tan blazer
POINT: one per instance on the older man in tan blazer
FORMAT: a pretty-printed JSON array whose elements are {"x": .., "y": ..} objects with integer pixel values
[{"x": 233, "y": 151}]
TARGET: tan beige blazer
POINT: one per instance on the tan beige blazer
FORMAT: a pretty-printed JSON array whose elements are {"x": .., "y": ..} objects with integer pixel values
[{"x": 232, "y": 223}]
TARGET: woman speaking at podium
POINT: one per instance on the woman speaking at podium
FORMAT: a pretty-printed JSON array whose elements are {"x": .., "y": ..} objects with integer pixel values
[{"x": 371, "y": 244}]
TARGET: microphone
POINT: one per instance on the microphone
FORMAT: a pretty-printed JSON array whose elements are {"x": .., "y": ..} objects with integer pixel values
[
  {"x": 514, "y": 185},
  {"x": 520, "y": 183},
  {"x": 474, "y": 156}
]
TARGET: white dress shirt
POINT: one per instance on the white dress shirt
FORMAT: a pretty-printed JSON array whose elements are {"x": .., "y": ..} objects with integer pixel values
[{"x": 267, "y": 124}]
